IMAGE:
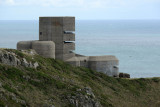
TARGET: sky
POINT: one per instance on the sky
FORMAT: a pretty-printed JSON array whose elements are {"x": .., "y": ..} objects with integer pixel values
[{"x": 81, "y": 9}]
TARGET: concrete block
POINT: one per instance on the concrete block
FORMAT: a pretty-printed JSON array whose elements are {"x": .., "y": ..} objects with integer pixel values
[
  {"x": 105, "y": 64},
  {"x": 69, "y": 46},
  {"x": 24, "y": 45},
  {"x": 53, "y": 29},
  {"x": 44, "y": 48},
  {"x": 73, "y": 61},
  {"x": 69, "y": 23},
  {"x": 69, "y": 37},
  {"x": 83, "y": 61},
  {"x": 68, "y": 56}
]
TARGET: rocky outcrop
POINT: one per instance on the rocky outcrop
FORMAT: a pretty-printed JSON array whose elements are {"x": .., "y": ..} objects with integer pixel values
[
  {"x": 124, "y": 75},
  {"x": 87, "y": 99},
  {"x": 10, "y": 58}
]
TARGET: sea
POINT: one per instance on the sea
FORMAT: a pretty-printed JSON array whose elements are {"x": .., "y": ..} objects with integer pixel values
[{"x": 136, "y": 43}]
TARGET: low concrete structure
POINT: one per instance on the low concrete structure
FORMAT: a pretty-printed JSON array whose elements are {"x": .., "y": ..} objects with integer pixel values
[
  {"x": 24, "y": 45},
  {"x": 44, "y": 48},
  {"x": 106, "y": 64},
  {"x": 56, "y": 41}
]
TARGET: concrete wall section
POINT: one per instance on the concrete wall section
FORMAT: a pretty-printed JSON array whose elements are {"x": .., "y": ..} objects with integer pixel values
[
  {"x": 74, "y": 61},
  {"x": 83, "y": 61},
  {"x": 69, "y": 46},
  {"x": 44, "y": 48},
  {"x": 50, "y": 28},
  {"x": 57, "y": 29},
  {"x": 24, "y": 45},
  {"x": 68, "y": 37},
  {"x": 68, "y": 56},
  {"x": 69, "y": 23},
  {"x": 105, "y": 64}
]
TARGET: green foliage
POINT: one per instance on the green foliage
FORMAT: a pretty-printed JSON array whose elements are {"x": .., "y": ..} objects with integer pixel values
[
  {"x": 2, "y": 104},
  {"x": 13, "y": 74},
  {"x": 54, "y": 80},
  {"x": 8, "y": 88},
  {"x": 60, "y": 85},
  {"x": 18, "y": 53},
  {"x": 156, "y": 79}
]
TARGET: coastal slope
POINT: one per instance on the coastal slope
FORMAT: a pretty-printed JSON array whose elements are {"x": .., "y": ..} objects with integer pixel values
[{"x": 27, "y": 79}]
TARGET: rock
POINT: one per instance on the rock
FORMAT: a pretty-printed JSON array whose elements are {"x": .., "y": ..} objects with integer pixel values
[
  {"x": 25, "y": 63},
  {"x": 30, "y": 64},
  {"x": 10, "y": 58},
  {"x": 78, "y": 90},
  {"x": 35, "y": 65},
  {"x": 89, "y": 91},
  {"x": 30, "y": 52},
  {"x": 121, "y": 75},
  {"x": 87, "y": 99},
  {"x": 124, "y": 75}
]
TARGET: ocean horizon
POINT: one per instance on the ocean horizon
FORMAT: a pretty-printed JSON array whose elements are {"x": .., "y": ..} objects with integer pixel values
[{"x": 135, "y": 43}]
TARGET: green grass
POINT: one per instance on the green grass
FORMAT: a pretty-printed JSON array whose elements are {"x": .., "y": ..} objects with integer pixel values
[{"x": 54, "y": 79}]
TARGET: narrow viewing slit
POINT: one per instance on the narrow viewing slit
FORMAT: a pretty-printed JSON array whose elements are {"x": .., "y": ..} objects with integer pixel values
[
  {"x": 40, "y": 33},
  {"x": 68, "y": 32}
]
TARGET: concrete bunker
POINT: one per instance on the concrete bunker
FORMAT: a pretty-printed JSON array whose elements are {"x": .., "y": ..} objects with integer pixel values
[
  {"x": 43, "y": 48},
  {"x": 105, "y": 64},
  {"x": 56, "y": 36}
]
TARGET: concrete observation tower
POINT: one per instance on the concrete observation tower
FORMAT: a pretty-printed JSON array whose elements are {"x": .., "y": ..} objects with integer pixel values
[
  {"x": 60, "y": 31},
  {"x": 56, "y": 40}
]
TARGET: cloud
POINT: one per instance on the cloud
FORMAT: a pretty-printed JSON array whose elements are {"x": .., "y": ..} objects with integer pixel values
[
  {"x": 61, "y": 3},
  {"x": 75, "y": 3}
]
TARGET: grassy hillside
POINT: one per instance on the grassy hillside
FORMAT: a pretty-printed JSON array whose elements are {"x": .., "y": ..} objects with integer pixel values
[{"x": 57, "y": 83}]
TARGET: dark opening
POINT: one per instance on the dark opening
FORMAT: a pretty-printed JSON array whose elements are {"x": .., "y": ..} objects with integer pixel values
[
  {"x": 68, "y": 32},
  {"x": 40, "y": 33}
]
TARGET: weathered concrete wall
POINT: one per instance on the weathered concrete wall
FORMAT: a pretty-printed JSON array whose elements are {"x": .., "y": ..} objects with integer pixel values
[
  {"x": 44, "y": 48},
  {"x": 69, "y": 23},
  {"x": 105, "y": 64},
  {"x": 73, "y": 61},
  {"x": 68, "y": 37},
  {"x": 78, "y": 61},
  {"x": 69, "y": 46},
  {"x": 83, "y": 61},
  {"x": 58, "y": 30},
  {"x": 24, "y": 45}
]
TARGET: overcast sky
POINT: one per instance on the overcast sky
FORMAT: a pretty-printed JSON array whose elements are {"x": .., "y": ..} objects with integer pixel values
[{"x": 81, "y": 9}]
